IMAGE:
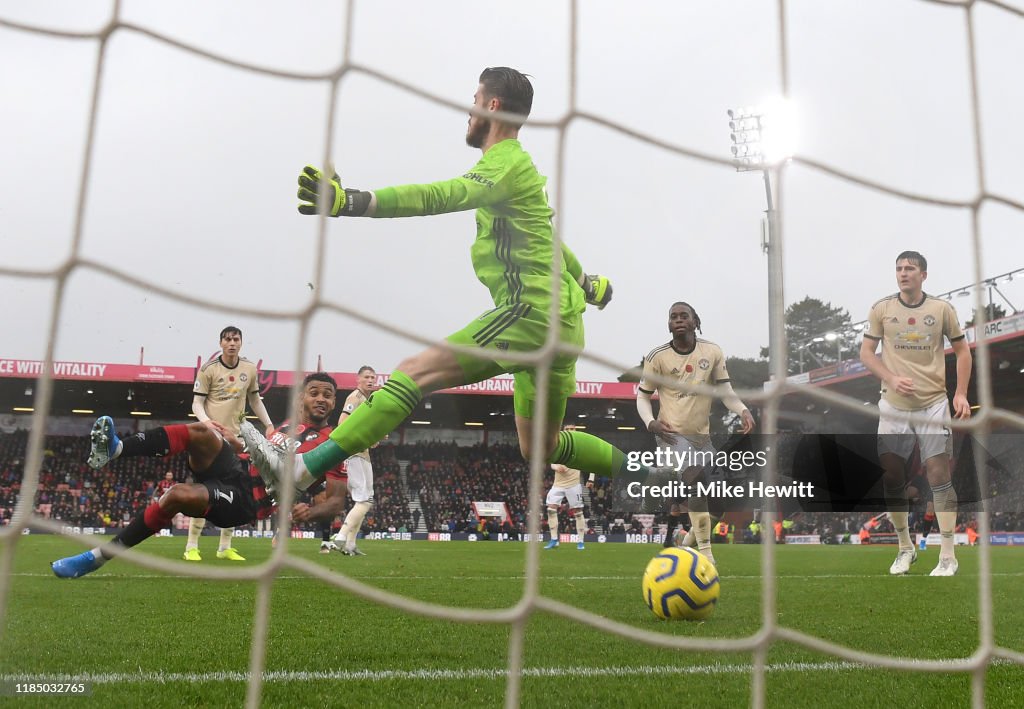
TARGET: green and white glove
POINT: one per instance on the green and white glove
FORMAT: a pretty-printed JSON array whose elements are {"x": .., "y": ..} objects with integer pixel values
[
  {"x": 598, "y": 290},
  {"x": 341, "y": 202}
]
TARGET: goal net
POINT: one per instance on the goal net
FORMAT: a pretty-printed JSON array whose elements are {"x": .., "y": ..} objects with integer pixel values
[{"x": 152, "y": 151}]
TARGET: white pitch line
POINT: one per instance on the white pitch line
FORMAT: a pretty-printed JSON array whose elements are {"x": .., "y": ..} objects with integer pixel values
[
  {"x": 546, "y": 577},
  {"x": 426, "y": 674},
  {"x": 449, "y": 675}
]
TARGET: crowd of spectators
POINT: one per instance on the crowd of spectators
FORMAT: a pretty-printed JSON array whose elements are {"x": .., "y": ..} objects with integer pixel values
[{"x": 445, "y": 477}]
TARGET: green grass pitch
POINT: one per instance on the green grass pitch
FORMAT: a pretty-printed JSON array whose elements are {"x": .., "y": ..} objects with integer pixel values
[{"x": 169, "y": 641}]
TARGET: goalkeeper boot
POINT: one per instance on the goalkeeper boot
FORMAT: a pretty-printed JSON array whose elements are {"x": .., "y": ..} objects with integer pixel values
[
  {"x": 71, "y": 567},
  {"x": 105, "y": 445},
  {"x": 192, "y": 554},
  {"x": 904, "y": 558},
  {"x": 268, "y": 458}
]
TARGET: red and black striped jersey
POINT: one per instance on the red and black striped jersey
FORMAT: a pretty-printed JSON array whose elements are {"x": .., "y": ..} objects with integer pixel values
[{"x": 303, "y": 439}]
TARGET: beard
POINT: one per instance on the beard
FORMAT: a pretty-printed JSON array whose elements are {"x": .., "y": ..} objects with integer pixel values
[{"x": 477, "y": 133}]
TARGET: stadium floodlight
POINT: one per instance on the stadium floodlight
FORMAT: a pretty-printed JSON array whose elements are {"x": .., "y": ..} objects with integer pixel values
[{"x": 762, "y": 139}]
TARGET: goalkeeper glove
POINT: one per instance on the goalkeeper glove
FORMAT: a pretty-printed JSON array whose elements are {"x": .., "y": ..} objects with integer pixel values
[
  {"x": 341, "y": 202},
  {"x": 598, "y": 290}
]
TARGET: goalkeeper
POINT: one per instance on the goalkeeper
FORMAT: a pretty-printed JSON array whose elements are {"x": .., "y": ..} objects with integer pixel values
[{"x": 512, "y": 256}]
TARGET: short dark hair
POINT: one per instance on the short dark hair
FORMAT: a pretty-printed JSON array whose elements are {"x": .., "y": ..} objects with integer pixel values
[
  {"x": 915, "y": 258},
  {"x": 696, "y": 318},
  {"x": 320, "y": 377},
  {"x": 364, "y": 368},
  {"x": 511, "y": 87},
  {"x": 230, "y": 330}
]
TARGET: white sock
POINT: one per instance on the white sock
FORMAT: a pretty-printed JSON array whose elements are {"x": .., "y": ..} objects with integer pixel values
[
  {"x": 354, "y": 522},
  {"x": 225, "y": 538},
  {"x": 945, "y": 500},
  {"x": 98, "y": 554},
  {"x": 195, "y": 529},
  {"x": 553, "y": 524},
  {"x": 581, "y": 525}
]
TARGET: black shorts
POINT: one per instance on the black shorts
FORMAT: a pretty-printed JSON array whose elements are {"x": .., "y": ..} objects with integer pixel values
[{"x": 229, "y": 485}]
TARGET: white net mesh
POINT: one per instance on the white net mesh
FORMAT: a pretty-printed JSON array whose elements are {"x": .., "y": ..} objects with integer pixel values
[{"x": 75, "y": 258}]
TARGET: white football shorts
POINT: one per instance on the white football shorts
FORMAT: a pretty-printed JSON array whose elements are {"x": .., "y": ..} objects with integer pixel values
[
  {"x": 932, "y": 432},
  {"x": 573, "y": 495},
  {"x": 360, "y": 478}
]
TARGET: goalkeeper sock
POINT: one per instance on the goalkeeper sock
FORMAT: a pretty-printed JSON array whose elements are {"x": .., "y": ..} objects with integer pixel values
[
  {"x": 582, "y": 451},
  {"x": 371, "y": 421}
]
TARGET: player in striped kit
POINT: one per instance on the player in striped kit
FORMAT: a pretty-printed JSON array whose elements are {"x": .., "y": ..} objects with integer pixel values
[{"x": 228, "y": 490}]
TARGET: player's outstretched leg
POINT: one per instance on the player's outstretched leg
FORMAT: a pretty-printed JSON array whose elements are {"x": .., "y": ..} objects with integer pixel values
[
  {"x": 268, "y": 458},
  {"x": 105, "y": 446},
  {"x": 71, "y": 567}
]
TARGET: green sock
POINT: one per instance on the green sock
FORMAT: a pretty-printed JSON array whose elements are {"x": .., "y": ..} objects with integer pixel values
[
  {"x": 583, "y": 451},
  {"x": 371, "y": 421}
]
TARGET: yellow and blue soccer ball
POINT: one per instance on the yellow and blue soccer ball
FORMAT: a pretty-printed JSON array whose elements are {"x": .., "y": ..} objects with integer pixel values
[{"x": 681, "y": 584}]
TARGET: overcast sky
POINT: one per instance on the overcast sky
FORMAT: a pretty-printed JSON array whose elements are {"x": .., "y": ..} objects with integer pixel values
[{"x": 193, "y": 175}]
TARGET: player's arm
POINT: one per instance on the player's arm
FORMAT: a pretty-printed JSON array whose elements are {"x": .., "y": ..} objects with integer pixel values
[
  {"x": 964, "y": 362},
  {"x": 258, "y": 408},
  {"x": 645, "y": 409},
  {"x": 736, "y": 405},
  {"x": 598, "y": 289},
  {"x": 199, "y": 407},
  {"x": 487, "y": 183},
  {"x": 331, "y": 506}
]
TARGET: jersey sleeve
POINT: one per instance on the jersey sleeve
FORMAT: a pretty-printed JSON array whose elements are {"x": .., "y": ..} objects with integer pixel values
[
  {"x": 951, "y": 324},
  {"x": 572, "y": 264},
  {"x": 202, "y": 385},
  {"x": 488, "y": 182},
  {"x": 254, "y": 381},
  {"x": 720, "y": 373},
  {"x": 651, "y": 369},
  {"x": 350, "y": 403},
  {"x": 874, "y": 330}
]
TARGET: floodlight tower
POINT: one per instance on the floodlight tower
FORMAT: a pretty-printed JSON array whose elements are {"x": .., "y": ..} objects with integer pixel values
[{"x": 761, "y": 140}]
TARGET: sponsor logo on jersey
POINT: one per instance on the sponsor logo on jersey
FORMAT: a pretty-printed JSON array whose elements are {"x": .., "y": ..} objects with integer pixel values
[
  {"x": 476, "y": 177},
  {"x": 914, "y": 336}
]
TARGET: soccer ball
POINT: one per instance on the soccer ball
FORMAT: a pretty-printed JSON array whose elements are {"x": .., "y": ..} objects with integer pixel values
[{"x": 681, "y": 583}]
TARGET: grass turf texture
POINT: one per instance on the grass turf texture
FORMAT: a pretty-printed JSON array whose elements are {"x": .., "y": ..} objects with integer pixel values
[{"x": 158, "y": 640}]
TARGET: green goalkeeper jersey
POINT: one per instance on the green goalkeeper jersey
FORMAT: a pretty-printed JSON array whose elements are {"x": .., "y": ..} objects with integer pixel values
[{"x": 512, "y": 253}]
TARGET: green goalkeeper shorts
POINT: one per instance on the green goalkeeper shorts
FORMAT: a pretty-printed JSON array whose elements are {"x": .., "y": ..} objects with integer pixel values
[{"x": 520, "y": 328}]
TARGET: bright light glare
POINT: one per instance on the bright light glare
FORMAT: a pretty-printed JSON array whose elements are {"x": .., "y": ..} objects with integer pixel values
[{"x": 779, "y": 131}]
